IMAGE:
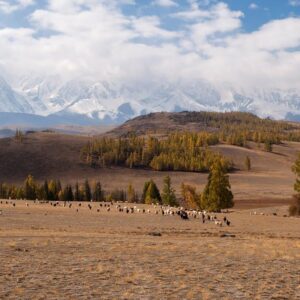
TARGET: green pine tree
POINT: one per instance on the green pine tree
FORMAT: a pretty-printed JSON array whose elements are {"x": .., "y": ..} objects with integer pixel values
[
  {"x": 87, "y": 191},
  {"x": 152, "y": 193},
  {"x": 217, "y": 194},
  {"x": 168, "y": 194},
  {"x": 97, "y": 193}
]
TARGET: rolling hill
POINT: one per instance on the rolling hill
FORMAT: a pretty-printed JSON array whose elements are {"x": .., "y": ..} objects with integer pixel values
[{"x": 54, "y": 155}]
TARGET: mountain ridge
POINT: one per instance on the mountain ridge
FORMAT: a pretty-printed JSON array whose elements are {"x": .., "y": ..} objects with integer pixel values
[{"x": 89, "y": 102}]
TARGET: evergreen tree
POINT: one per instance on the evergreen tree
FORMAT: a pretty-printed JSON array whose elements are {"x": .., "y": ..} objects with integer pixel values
[
  {"x": 168, "y": 194},
  {"x": 146, "y": 185},
  {"x": 77, "y": 194},
  {"x": 68, "y": 193},
  {"x": 87, "y": 191},
  {"x": 152, "y": 194},
  {"x": 190, "y": 197},
  {"x": 217, "y": 194},
  {"x": 30, "y": 192},
  {"x": 45, "y": 191},
  {"x": 131, "y": 194},
  {"x": 97, "y": 193},
  {"x": 248, "y": 163}
]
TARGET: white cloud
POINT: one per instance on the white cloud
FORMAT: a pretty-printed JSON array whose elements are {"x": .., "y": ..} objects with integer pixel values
[
  {"x": 253, "y": 6},
  {"x": 93, "y": 38},
  {"x": 8, "y": 7},
  {"x": 165, "y": 3}
]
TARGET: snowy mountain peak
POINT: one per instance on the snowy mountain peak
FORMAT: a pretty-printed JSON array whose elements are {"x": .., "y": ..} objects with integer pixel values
[{"x": 113, "y": 102}]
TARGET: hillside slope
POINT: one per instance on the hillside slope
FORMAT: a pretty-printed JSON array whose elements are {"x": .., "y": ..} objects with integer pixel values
[{"x": 52, "y": 155}]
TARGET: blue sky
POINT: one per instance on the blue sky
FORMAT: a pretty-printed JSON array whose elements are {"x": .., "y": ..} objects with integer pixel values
[
  {"x": 244, "y": 43},
  {"x": 256, "y": 13}
]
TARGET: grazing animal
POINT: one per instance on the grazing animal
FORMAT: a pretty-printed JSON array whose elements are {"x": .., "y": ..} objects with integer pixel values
[
  {"x": 228, "y": 223},
  {"x": 184, "y": 215}
]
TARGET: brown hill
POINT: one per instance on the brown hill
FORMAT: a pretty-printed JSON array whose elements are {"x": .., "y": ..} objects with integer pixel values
[
  {"x": 52, "y": 155},
  {"x": 164, "y": 122}
]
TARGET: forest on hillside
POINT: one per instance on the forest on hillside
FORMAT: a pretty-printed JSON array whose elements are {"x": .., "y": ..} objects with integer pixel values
[
  {"x": 189, "y": 151},
  {"x": 177, "y": 152}
]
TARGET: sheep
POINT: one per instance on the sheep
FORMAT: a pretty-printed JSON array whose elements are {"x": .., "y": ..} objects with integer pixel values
[
  {"x": 184, "y": 215},
  {"x": 218, "y": 223}
]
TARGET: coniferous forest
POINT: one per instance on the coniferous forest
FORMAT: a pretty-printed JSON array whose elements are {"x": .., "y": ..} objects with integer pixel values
[{"x": 164, "y": 150}]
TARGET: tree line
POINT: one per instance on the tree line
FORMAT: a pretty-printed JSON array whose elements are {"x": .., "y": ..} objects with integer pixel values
[{"x": 217, "y": 194}]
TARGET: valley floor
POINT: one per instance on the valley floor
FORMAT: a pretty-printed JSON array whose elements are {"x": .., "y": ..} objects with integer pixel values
[{"x": 51, "y": 252}]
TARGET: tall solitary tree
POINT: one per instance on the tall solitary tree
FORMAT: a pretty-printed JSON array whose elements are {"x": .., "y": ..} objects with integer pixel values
[
  {"x": 168, "y": 194},
  {"x": 217, "y": 194}
]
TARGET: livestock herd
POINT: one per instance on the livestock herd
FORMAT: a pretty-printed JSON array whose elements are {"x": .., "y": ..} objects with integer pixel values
[{"x": 131, "y": 208}]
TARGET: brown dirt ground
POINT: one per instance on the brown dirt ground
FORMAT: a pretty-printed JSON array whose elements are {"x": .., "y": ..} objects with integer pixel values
[{"x": 57, "y": 253}]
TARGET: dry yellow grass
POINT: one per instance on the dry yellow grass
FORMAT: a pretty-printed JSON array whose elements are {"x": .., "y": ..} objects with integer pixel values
[{"x": 57, "y": 253}]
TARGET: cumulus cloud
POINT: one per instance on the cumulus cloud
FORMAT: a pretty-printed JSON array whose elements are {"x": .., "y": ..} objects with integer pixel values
[
  {"x": 8, "y": 7},
  {"x": 94, "y": 38}
]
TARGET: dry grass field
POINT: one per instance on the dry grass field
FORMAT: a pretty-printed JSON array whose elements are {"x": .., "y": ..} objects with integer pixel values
[{"x": 51, "y": 252}]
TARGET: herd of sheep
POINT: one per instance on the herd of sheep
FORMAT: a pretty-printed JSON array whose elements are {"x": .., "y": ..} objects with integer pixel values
[{"x": 184, "y": 214}]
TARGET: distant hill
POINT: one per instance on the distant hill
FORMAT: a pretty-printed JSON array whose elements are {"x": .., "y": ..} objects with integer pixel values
[{"x": 165, "y": 122}]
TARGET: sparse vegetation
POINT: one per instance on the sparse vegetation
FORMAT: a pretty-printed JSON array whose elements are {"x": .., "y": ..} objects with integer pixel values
[
  {"x": 248, "y": 163},
  {"x": 19, "y": 135},
  {"x": 294, "y": 209}
]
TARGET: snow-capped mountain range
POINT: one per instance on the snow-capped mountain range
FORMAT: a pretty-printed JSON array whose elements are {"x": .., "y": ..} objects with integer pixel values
[{"x": 93, "y": 102}]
